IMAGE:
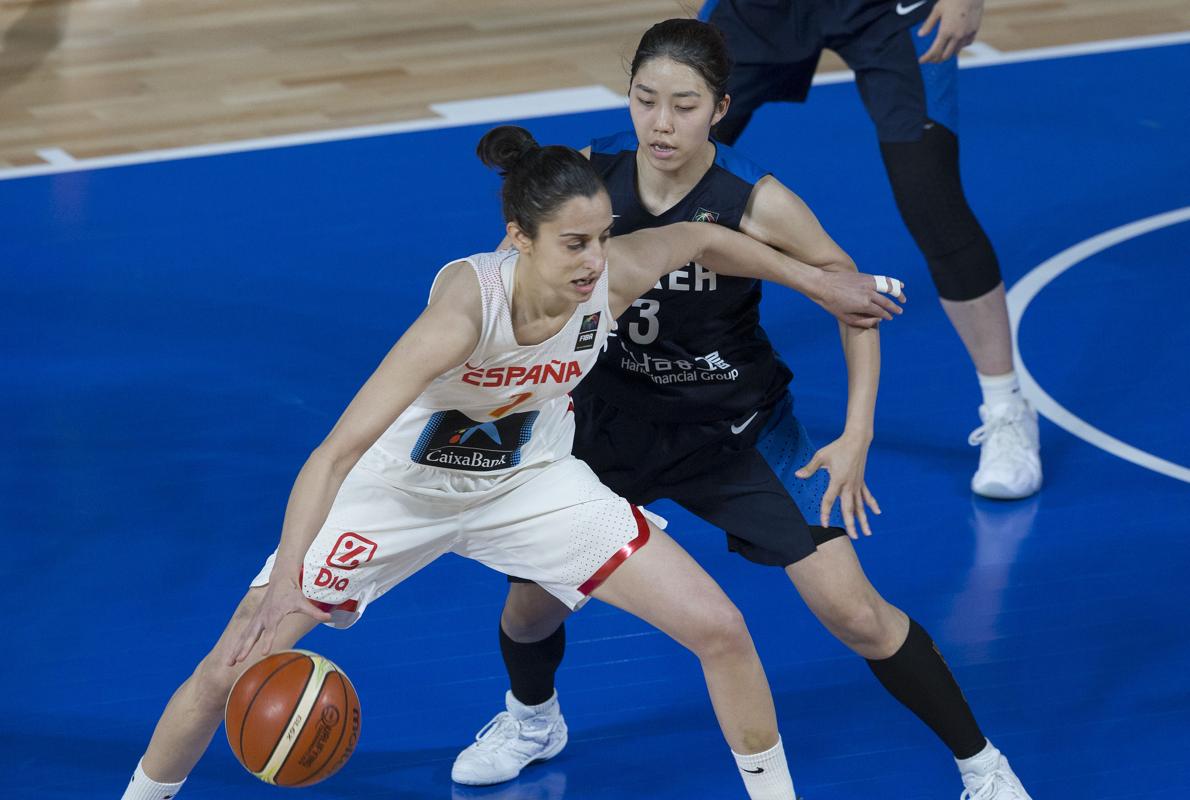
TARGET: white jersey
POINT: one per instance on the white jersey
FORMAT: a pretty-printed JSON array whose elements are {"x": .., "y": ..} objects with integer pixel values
[
  {"x": 507, "y": 405},
  {"x": 480, "y": 466}
]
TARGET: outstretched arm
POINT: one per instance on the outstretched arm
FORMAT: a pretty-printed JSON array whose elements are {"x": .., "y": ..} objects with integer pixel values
[
  {"x": 639, "y": 259},
  {"x": 440, "y": 339},
  {"x": 781, "y": 219}
]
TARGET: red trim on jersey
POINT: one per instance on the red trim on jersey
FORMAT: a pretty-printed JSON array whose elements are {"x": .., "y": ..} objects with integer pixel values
[{"x": 621, "y": 555}]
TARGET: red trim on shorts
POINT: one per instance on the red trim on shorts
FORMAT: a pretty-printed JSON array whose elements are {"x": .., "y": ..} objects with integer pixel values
[
  {"x": 621, "y": 555},
  {"x": 347, "y": 605}
]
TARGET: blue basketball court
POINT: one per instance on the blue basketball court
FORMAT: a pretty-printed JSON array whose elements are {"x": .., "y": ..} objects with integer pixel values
[{"x": 180, "y": 334}]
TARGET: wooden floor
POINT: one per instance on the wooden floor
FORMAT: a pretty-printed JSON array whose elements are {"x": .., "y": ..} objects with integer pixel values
[{"x": 106, "y": 77}]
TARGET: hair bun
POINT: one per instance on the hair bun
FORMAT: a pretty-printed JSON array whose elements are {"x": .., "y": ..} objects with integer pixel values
[{"x": 504, "y": 147}]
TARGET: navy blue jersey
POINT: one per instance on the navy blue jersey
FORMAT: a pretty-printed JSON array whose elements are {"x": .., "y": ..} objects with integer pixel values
[{"x": 691, "y": 348}]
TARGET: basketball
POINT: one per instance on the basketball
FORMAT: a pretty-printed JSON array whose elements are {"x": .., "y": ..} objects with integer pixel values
[{"x": 292, "y": 718}]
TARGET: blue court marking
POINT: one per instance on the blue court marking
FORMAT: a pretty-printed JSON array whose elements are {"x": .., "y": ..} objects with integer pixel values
[{"x": 179, "y": 335}]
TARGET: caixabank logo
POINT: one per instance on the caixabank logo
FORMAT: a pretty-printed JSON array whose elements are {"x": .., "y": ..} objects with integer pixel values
[{"x": 453, "y": 440}]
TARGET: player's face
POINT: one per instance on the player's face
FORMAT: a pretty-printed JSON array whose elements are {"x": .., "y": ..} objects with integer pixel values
[
  {"x": 571, "y": 248},
  {"x": 672, "y": 110}
]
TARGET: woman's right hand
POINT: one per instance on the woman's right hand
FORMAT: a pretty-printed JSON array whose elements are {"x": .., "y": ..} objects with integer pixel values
[
  {"x": 282, "y": 598},
  {"x": 855, "y": 300}
]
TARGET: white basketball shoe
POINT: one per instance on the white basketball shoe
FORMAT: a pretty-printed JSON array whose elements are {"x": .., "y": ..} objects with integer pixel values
[
  {"x": 513, "y": 740},
  {"x": 1009, "y": 451},
  {"x": 999, "y": 784}
]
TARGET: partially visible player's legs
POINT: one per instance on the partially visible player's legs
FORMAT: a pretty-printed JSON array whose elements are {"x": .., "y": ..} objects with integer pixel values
[
  {"x": 532, "y": 621},
  {"x": 409, "y": 531},
  {"x": 531, "y": 729},
  {"x": 752, "y": 85},
  {"x": 901, "y": 654},
  {"x": 915, "y": 110},
  {"x": 665, "y": 587},
  {"x": 904, "y": 659},
  {"x": 194, "y": 712},
  {"x": 926, "y": 184},
  {"x": 829, "y": 578},
  {"x": 982, "y": 324}
]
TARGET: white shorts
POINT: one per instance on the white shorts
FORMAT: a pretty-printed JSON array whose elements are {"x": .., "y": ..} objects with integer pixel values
[{"x": 554, "y": 524}]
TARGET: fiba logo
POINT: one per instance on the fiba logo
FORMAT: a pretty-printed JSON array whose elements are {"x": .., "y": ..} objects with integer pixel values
[{"x": 588, "y": 331}]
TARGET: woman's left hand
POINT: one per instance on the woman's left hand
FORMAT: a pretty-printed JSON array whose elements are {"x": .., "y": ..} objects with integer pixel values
[
  {"x": 844, "y": 459},
  {"x": 957, "y": 22}
]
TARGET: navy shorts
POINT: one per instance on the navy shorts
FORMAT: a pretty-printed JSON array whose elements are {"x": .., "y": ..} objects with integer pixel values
[
  {"x": 735, "y": 474},
  {"x": 775, "y": 46}
]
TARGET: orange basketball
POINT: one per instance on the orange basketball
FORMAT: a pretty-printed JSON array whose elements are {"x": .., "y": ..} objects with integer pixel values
[{"x": 292, "y": 718}]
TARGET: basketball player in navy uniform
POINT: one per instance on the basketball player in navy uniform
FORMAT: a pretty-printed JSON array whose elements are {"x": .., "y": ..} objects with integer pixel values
[
  {"x": 690, "y": 402},
  {"x": 905, "y": 57},
  {"x": 460, "y": 442}
]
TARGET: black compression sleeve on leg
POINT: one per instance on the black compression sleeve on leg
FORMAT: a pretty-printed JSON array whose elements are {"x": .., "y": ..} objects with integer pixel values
[
  {"x": 929, "y": 192},
  {"x": 532, "y": 665},
  {"x": 918, "y": 676}
]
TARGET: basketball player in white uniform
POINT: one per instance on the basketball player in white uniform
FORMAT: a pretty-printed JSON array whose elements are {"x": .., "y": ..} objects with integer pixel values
[{"x": 460, "y": 442}]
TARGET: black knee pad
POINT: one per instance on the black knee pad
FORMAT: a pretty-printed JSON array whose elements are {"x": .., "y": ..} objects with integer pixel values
[{"x": 925, "y": 181}]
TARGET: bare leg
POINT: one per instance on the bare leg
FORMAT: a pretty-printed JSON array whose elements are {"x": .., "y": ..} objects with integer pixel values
[
  {"x": 531, "y": 613},
  {"x": 665, "y": 587},
  {"x": 983, "y": 326},
  {"x": 834, "y": 587},
  {"x": 194, "y": 712},
  {"x": 899, "y": 652}
]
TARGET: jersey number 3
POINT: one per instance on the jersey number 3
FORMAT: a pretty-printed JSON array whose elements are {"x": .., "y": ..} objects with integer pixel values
[{"x": 647, "y": 329}]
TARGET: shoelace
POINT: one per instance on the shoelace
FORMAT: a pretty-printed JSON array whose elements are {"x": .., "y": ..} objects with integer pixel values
[
  {"x": 998, "y": 428},
  {"x": 504, "y": 733},
  {"x": 501, "y": 727},
  {"x": 988, "y": 790}
]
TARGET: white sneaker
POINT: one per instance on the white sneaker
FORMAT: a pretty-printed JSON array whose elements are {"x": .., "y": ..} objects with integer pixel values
[
  {"x": 1010, "y": 452},
  {"x": 513, "y": 740},
  {"x": 999, "y": 784}
]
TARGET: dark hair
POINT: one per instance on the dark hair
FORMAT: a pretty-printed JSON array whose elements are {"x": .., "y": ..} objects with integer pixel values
[
  {"x": 698, "y": 45},
  {"x": 537, "y": 180}
]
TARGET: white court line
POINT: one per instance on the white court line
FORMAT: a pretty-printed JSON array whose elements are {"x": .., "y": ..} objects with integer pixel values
[
  {"x": 1081, "y": 49},
  {"x": 1028, "y": 287},
  {"x": 531, "y": 104},
  {"x": 534, "y": 104},
  {"x": 56, "y": 155},
  {"x": 982, "y": 50}
]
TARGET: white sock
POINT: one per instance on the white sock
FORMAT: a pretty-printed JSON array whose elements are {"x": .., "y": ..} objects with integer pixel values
[
  {"x": 142, "y": 787},
  {"x": 982, "y": 763},
  {"x": 766, "y": 775},
  {"x": 999, "y": 390},
  {"x": 521, "y": 711}
]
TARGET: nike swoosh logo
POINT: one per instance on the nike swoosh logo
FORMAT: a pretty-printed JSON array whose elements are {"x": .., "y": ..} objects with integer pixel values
[
  {"x": 756, "y": 771},
  {"x": 738, "y": 428},
  {"x": 903, "y": 10}
]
